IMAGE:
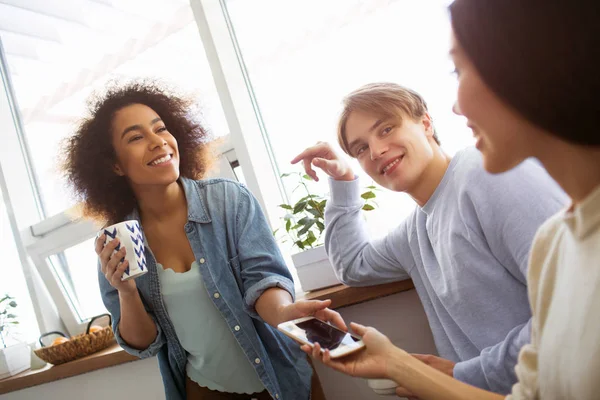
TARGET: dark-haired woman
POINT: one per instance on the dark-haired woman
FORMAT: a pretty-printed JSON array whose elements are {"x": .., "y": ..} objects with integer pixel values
[
  {"x": 528, "y": 85},
  {"x": 217, "y": 284}
]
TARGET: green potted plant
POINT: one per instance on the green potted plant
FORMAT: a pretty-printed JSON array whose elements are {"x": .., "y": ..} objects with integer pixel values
[
  {"x": 14, "y": 355},
  {"x": 304, "y": 229}
]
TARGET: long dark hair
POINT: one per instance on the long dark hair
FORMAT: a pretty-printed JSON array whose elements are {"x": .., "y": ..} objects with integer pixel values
[
  {"x": 89, "y": 156},
  {"x": 539, "y": 56}
]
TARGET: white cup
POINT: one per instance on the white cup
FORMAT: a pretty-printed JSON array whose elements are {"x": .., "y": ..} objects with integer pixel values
[
  {"x": 384, "y": 387},
  {"x": 130, "y": 236}
]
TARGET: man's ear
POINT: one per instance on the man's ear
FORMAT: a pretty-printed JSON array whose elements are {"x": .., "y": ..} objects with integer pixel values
[
  {"x": 118, "y": 170},
  {"x": 428, "y": 124}
]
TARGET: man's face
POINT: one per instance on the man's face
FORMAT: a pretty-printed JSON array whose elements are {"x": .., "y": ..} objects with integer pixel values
[{"x": 393, "y": 151}]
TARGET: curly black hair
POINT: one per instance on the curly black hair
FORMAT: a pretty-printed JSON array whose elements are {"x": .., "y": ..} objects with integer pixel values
[{"x": 89, "y": 156}]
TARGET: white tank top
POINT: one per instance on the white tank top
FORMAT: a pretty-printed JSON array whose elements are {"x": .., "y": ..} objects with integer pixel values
[{"x": 215, "y": 360}]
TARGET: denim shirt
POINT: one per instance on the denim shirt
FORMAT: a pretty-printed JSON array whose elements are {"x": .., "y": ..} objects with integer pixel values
[{"x": 239, "y": 260}]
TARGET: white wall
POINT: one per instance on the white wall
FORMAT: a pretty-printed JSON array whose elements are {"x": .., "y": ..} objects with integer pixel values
[
  {"x": 133, "y": 380},
  {"x": 399, "y": 316}
]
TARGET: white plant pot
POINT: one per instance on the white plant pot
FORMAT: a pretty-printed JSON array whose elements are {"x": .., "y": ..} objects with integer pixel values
[
  {"x": 314, "y": 269},
  {"x": 14, "y": 359}
]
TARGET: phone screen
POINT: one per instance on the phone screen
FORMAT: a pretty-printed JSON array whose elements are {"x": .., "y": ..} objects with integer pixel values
[{"x": 328, "y": 336}]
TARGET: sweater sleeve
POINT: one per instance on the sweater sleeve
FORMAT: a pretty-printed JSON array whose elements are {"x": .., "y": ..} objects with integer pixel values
[{"x": 357, "y": 260}]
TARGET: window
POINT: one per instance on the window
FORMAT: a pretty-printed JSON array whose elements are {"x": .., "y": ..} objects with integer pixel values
[
  {"x": 303, "y": 57},
  {"x": 56, "y": 54},
  {"x": 13, "y": 280},
  {"x": 61, "y": 53}
]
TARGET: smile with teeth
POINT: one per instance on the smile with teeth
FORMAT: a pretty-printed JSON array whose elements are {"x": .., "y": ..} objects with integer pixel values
[
  {"x": 390, "y": 165},
  {"x": 162, "y": 160}
]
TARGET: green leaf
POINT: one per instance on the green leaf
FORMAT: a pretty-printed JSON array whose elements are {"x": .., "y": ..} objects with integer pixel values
[
  {"x": 368, "y": 207},
  {"x": 305, "y": 221},
  {"x": 306, "y": 227},
  {"x": 368, "y": 195},
  {"x": 308, "y": 178},
  {"x": 372, "y": 187},
  {"x": 299, "y": 244},
  {"x": 11, "y": 316},
  {"x": 6, "y": 297},
  {"x": 287, "y": 217},
  {"x": 286, "y": 206},
  {"x": 305, "y": 198},
  {"x": 299, "y": 207},
  {"x": 288, "y": 174},
  {"x": 288, "y": 225},
  {"x": 316, "y": 213},
  {"x": 13, "y": 304},
  {"x": 14, "y": 322},
  {"x": 320, "y": 226}
]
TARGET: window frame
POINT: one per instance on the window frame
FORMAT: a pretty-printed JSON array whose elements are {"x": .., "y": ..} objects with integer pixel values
[{"x": 247, "y": 146}]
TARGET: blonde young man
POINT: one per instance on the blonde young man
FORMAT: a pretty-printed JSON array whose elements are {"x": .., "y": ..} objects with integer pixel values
[{"x": 466, "y": 244}]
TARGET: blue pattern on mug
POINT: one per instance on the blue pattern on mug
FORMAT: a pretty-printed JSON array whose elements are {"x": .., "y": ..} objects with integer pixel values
[{"x": 138, "y": 245}]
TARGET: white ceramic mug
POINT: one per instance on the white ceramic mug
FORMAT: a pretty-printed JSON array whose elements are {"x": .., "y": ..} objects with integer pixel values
[{"x": 130, "y": 236}]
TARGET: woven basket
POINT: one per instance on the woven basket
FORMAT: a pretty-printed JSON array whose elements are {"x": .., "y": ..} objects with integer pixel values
[{"x": 78, "y": 346}]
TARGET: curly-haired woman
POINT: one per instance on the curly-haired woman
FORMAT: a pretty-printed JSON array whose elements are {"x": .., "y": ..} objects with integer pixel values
[{"x": 217, "y": 284}]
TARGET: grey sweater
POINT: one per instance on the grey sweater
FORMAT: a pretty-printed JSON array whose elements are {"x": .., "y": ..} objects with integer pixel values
[{"x": 466, "y": 251}]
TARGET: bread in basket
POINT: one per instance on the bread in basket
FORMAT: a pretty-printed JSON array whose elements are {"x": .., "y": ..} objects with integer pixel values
[{"x": 78, "y": 346}]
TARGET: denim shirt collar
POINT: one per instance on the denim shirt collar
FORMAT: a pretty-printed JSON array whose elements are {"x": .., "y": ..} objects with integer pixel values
[{"x": 196, "y": 208}]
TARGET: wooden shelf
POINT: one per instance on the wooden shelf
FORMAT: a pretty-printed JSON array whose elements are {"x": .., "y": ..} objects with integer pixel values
[
  {"x": 113, "y": 355},
  {"x": 343, "y": 296}
]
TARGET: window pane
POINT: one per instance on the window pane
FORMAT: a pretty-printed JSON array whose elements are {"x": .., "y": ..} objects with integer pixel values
[
  {"x": 12, "y": 282},
  {"x": 77, "y": 271},
  {"x": 62, "y": 51},
  {"x": 322, "y": 50}
]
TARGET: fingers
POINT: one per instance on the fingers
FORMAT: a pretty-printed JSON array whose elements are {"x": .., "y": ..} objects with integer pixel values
[
  {"x": 402, "y": 392},
  {"x": 332, "y": 317},
  {"x": 310, "y": 152},
  {"x": 316, "y": 351},
  {"x": 358, "y": 328},
  {"x": 307, "y": 162},
  {"x": 307, "y": 349},
  {"x": 336, "y": 364},
  {"x": 310, "y": 307},
  {"x": 116, "y": 277},
  {"x": 100, "y": 243},
  {"x": 112, "y": 264},
  {"x": 107, "y": 252}
]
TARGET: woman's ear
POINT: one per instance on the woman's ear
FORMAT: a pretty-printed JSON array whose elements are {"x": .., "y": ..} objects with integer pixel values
[{"x": 118, "y": 170}]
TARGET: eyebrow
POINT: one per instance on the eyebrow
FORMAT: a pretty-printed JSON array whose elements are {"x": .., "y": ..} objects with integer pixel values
[
  {"x": 371, "y": 129},
  {"x": 138, "y": 127}
]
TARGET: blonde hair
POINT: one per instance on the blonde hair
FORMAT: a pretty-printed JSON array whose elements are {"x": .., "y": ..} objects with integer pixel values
[{"x": 388, "y": 100}]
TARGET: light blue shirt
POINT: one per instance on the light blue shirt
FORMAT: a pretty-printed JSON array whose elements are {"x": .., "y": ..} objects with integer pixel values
[
  {"x": 466, "y": 251},
  {"x": 227, "y": 229},
  {"x": 215, "y": 360}
]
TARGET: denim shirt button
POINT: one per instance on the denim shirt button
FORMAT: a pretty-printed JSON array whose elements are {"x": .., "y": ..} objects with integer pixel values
[
  {"x": 188, "y": 227},
  {"x": 257, "y": 360},
  {"x": 237, "y": 328},
  {"x": 216, "y": 295},
  {"x": 276, "y": 396},
  {"x": 202, "y": 260}
]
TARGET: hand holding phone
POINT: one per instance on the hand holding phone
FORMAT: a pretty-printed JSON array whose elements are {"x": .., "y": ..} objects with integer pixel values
[{"x": 310, "y": 330}]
